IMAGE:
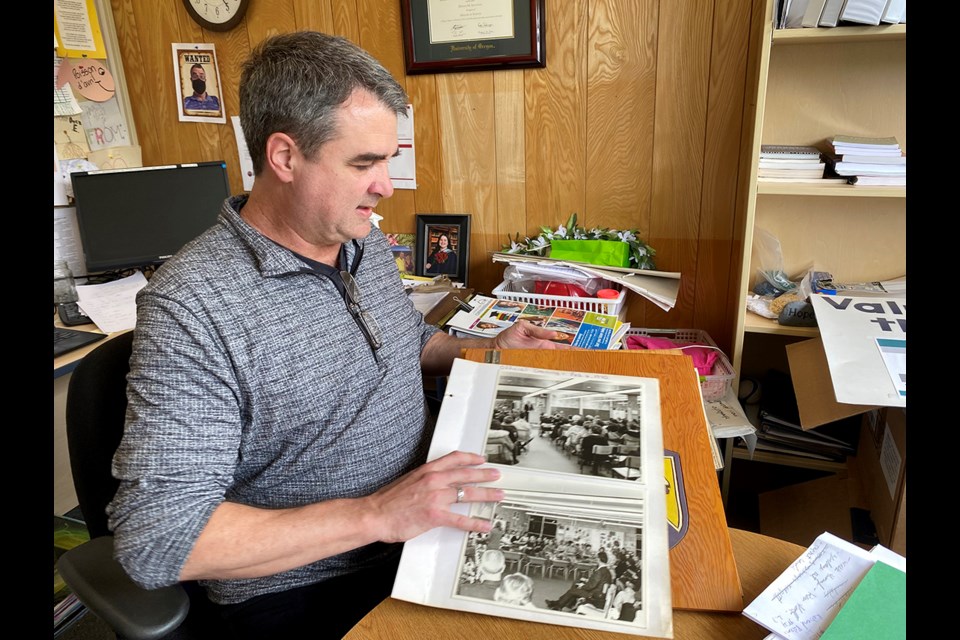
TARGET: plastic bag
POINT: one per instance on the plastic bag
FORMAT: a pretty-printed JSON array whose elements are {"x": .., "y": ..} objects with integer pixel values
[
  {"x": 523, "y": 277},
  {"x": 769, "y": 260}
]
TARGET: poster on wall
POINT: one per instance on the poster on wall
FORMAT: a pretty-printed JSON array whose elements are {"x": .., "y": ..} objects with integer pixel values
[
  {"x": 76, "y": 29},
  {"x": 198, "y": 83}
]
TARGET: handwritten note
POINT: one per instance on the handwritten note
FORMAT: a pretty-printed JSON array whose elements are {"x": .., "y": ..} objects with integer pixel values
[{"x": 804, "y": 600}]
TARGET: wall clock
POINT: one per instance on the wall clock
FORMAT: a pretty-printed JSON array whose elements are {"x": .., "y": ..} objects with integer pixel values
[{"x": 217, "y": 15}]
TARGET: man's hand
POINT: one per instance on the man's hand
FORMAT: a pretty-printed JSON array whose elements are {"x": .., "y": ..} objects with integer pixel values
[
  {"x": 421, "y": 500},
  {"x": 523, "y": 335}
]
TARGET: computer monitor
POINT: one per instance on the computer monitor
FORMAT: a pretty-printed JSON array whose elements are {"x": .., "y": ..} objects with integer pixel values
[{"x": 131, "y": 218}]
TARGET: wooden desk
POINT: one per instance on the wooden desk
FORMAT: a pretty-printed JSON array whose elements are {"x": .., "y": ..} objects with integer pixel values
[
  {"x": 68, "y": 361},
  {"x": 760, "y": 559}
]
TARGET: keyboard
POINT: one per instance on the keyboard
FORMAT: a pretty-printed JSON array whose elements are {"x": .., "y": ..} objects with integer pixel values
[{"x": 66, "y": 340}]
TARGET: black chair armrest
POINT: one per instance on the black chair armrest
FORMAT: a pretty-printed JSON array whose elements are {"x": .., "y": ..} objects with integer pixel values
[{"x": 104, "y": 587}]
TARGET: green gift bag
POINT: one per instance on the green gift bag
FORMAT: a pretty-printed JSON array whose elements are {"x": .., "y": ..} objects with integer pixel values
[{"x": 612, "y": 253}]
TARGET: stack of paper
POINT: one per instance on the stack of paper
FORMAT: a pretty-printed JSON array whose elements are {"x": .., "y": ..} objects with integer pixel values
[
  {"x": 659, "y": 287},
  {"x": 789, "y": 163},
  {"x": 575, "y": 327},
  {"x": 868, "y": 161},
  {"x": 807, "y": 599}
]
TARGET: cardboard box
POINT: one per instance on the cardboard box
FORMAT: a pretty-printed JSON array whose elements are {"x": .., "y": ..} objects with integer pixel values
[
  {"x": 813, "y": 386},
  {"x": 882, "y": 468},
  {"x": 801, "y": 512}
]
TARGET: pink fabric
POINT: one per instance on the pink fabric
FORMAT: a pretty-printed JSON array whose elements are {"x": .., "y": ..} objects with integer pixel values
[{"x": 703, "y": 356}]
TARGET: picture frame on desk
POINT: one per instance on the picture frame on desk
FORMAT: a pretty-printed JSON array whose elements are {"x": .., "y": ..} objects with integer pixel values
[
  {"x": 440, "y": 37},
  {"x": 401, "y": 246},
  {"x": 443, "y": 246}
]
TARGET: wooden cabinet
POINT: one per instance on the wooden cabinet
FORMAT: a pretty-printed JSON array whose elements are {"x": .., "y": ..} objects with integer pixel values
[{"x": 812, "y": 84}]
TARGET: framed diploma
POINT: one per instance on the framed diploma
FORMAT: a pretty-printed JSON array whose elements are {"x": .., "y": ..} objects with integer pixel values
[{"x": 441, "y": 36}]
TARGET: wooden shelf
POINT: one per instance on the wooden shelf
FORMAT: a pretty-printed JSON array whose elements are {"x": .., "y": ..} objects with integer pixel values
[
  {"x": 840, "y": 34},
  {"x": 752, "y": 323},
  {"x": 788, "y": 460},
  {"x": 813, "y": 84},
  {"x": 830, "y": 189}
]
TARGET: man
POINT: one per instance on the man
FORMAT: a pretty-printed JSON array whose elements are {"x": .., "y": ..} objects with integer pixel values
[
  {"x": 200, "y": 100},
  {"x": 275, "y": 444},
  {"x": 595, "y": 437},
  {"x": 573, "y": 435},
  {"x": 493, "y": 538},
  {"x": 507, "y": 440},
  {"x": 592, "y": 591}
]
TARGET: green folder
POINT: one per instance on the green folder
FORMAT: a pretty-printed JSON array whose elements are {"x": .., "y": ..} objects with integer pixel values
[{"x": 876, "y": 610}]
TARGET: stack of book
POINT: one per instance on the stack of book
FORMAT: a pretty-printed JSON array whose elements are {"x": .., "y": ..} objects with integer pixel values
[
  {"x": 782, "y": 436},
  {"x": 789, "y": 163},
  {"x": 867, "y": 161},
  {"x": 779, "y": 430}
]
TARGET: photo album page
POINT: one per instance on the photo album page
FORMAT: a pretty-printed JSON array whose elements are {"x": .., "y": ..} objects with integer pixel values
[{"x": 581, "y": 462}]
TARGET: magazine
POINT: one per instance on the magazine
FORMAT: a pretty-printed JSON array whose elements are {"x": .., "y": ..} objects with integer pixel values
[
  {"x": 571, "y": 543},
  {"x": 575, "y": 327},
  {"x": 67, "y": 609}
]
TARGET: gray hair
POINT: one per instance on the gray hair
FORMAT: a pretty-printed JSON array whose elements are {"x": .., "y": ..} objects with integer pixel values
[{"x": 294, "y": 83}]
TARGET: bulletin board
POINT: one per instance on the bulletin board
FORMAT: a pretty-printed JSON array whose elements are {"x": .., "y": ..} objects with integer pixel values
[
  {"x": 92, "y": 121},
  {"x": 92, "y": 114}
]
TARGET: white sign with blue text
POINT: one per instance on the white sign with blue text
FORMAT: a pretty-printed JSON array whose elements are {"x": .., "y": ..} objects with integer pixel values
[{"x": 851, "y": 330}]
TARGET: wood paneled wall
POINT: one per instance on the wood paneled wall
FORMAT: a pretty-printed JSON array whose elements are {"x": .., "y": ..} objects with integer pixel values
[{"x": 634, "y": 123}]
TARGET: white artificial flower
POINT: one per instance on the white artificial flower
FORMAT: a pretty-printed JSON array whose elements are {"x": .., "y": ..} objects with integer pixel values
[{"x": 626, "y": 236}]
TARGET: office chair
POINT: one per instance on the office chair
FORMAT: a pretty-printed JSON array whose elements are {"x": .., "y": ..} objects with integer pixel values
[{"x": 95, "y": 413}]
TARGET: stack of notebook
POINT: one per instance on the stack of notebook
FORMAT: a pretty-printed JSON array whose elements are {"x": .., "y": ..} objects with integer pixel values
[
  {"x": 779, "y": 427},
  {"x": 867, "y": 161}
]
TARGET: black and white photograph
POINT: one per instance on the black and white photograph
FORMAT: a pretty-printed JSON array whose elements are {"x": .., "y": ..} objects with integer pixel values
[
  {"x": 569, "y": 543},
  {"x": 443, "y": 246},
  {"x": 568, "y": 557},
  {"x": 567, "y": 424}
]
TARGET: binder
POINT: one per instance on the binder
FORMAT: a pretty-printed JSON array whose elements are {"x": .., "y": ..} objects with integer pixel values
[
  {"x": 863, "y": 11},
  {"x": 811, "y": 17},
  {"x": 831, "y": 13}
]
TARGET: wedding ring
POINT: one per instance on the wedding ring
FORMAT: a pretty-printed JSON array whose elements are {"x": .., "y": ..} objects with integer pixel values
[{"x": 460, "y": 494}]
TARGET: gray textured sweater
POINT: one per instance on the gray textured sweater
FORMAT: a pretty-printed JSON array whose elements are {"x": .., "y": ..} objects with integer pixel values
[{"x": 251, "y": 383}]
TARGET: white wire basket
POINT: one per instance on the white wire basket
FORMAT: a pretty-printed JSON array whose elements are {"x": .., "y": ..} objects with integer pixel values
[
  {"x": 714, "y": 386},
  {"x": 611, "y": 307}
]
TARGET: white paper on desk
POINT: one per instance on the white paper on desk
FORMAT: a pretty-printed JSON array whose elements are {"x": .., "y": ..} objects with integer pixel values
[
  {"x": 727, "y": 418},
  {"x": 802, "y": 602},
  {"x": 849, "y": 328},
  {"x": 113, "y": 305},
  {"x": 425, "y": 301}
]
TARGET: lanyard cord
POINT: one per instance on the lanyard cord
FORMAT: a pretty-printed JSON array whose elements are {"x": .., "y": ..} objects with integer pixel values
[{"x": 333, "y": 274}]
